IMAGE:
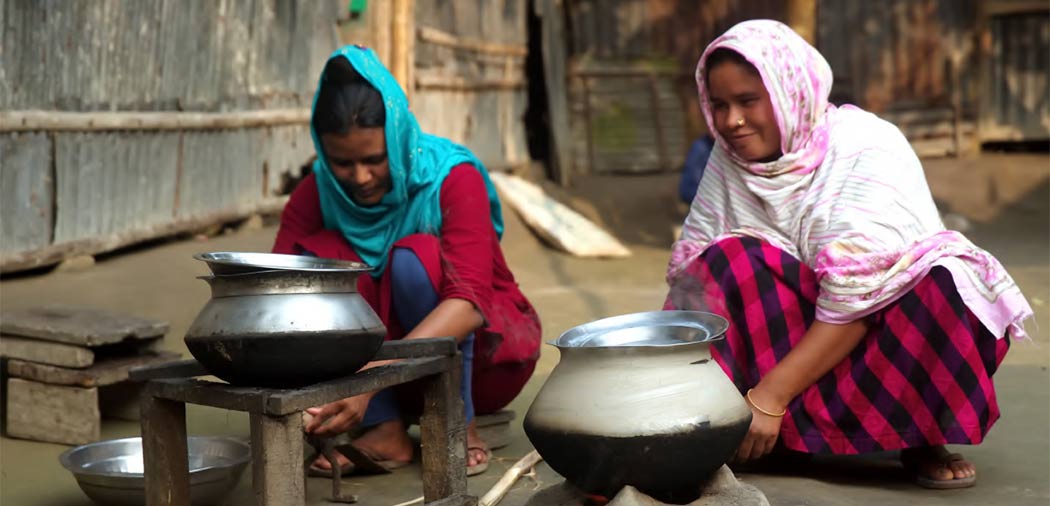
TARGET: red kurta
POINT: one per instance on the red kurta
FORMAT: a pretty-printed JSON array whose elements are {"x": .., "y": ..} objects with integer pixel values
[{"x": 465, "y": 262}]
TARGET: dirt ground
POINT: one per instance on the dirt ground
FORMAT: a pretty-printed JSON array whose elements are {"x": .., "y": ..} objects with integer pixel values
[{"x": 1005, "y": 197}]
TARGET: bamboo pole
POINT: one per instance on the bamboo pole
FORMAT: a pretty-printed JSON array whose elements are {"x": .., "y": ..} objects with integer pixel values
[
  {"x": 441, "y": 38},
  {"x": 380, "y": 23},
  {"x": 424, "y": 82},
  {"x": 802, "y": 17},
  {"x": 403, "y": 53},
  {"x": 20, "y": 121},
  {"x": 500, "y": 489}
]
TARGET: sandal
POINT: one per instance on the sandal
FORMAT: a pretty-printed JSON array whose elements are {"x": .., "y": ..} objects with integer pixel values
[
  {"x": 914, "y": 465},
  {"x": 358, "y": 462},
  {"x": 316, "y": 471},
  {"x": 480, "y": 467}
]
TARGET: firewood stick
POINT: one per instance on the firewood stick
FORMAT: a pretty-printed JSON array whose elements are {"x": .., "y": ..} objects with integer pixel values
[
  {"x": 500, "y": 489},
  {"x": 418, "y": 500}
]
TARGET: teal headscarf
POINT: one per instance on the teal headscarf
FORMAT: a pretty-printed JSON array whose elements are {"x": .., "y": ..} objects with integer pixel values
[{"x": 419, "y": 163}]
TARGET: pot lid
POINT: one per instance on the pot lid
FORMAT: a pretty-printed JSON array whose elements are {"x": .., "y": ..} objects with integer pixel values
[
  {"x": 652, "y": 328},
  {"x": 232, "y": 262}
]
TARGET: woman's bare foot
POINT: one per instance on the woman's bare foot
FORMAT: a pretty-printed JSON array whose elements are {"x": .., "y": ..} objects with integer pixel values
[
  {"x": 477, "y": 449},
  {"x": 936, "y": 467},
  {"x": 386, "y": 442}
]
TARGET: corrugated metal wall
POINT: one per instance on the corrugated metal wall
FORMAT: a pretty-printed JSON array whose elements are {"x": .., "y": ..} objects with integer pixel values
[
  {"x": 110, "y": 188},
  {"x": 632, "y": 92},
  {"x": 189, "y": 55},
  {"x": 897, "y": 53},
  {"x": 467, "y": 79},
  {"x": 676, "y": 29},
  {"x": 1016, "y": 105},
  {"x": 913, "y": 62},
  {"x": 469, "y": 75},
  {"x": 919, "y": 63},
  {"x": 26, "y": 193}
]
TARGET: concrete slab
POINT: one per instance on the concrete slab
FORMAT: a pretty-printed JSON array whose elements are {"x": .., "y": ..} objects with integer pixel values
[{"x": 158, "y": 282}]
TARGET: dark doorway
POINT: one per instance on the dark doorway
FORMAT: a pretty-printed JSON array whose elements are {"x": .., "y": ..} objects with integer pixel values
[{"x": 537, "y": 115}]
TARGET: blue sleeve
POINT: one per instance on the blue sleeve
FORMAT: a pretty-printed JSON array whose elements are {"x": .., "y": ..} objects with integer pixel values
[{"x": 693, "y": 171}]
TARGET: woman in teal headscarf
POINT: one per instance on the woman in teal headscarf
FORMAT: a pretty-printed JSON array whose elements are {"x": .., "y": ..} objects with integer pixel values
[{"x": 422, "y": 212}]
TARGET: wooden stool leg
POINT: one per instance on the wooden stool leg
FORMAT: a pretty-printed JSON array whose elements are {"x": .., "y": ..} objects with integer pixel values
[
  {"x": 278, "y": 477},
  {"x": 165, "y": 461},
  {"x": 443, "y": 436}
]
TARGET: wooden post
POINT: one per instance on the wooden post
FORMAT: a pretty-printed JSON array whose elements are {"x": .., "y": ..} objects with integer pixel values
[
  {"x": 555, "y": 54},
  {"x": 108, "y": 121},
  {"x": 956, "y": 96},
  {"x": 278, "y": 477},
  {"x": 164, "y": 452},
  {"x": 983, "y": 45},
  {"x": 661, "y": 138},
  {"x": 443, "y": 435},
  {"x": 403, "y": 32},
  {"x": 802, "y": 17},
  {"x": 588, "y": 127}
]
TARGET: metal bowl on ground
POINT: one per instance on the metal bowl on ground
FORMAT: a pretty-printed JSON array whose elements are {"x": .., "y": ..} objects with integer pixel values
[
  {"x": 284, "y": 327},
  {"x": 637, "y": 400},
  {"x": 111, "y": 472}
]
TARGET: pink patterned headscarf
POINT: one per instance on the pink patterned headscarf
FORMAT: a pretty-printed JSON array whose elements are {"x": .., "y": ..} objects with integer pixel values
[
  {"x": 799, "y": 81},
  {"x": 848, "y": 197}
]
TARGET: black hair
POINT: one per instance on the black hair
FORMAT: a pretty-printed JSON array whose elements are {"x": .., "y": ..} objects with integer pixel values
[
  {"x": 726, "y": 55},
  {"x": 346, "y": 100}
]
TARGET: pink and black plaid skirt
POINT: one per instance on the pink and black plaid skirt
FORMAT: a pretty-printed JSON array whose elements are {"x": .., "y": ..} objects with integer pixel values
[{"x": 922, "y": 376}]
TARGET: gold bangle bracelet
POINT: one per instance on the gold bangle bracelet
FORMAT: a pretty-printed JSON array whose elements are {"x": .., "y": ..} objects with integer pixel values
[{"x": 764, "y": 412}]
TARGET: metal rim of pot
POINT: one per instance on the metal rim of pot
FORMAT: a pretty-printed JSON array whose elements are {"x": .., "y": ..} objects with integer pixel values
[
  {"x": 273, "y": 282},
  {"x": 234, "y": 262}
]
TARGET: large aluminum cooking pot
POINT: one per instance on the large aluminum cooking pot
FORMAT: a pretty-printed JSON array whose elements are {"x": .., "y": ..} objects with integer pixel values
[
  {"x": 283, "y": 320},
  {"x": 637, "y": 400}
]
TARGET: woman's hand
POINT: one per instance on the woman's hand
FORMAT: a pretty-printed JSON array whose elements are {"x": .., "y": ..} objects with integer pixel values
[
  {"x": 764, "y": 430},
  {"x": 823, "y": 346},
  {"x": 337, "y": 417}
]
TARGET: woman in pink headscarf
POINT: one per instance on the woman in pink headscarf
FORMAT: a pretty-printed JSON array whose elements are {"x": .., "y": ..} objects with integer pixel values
[{"x": 858, "y": 323}]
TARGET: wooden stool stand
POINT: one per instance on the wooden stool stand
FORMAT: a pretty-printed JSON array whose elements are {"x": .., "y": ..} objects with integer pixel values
[{"x": 278, "y": 476}]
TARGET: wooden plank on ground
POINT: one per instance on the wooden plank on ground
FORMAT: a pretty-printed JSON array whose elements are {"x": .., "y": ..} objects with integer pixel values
[
  {"x": 104, "y": 372},
  {"x": 83, "y": 326},
  {"x": 496, "y": 436},
  {"x": 562, "y": 227},
  {"x": 57, "y": 414},
  {"x": 494, "y": 428},
  {"x": 501, "y": 416},
  {"x": 45, "y": 352},
  {"x": 186, "y": 368}
]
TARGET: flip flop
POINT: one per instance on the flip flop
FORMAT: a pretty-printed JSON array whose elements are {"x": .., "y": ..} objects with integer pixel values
[
  {"x": 480, "y": 467},
  {"x": 320, "y": 472},
  {"x": 368, "y": 464},
  {"x": 949, "y": 484},
  {"x": 359, "y": 463}
]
